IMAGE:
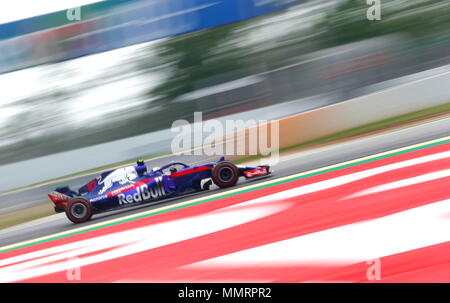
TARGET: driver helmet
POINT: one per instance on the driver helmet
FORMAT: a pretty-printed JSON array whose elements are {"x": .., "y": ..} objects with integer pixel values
[
  {"x": 140, "y": 167},
  {"x": 173, "y": 170}
]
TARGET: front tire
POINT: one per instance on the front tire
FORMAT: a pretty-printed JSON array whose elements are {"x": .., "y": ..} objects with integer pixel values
[
  {"x": 78, "y": 210},
  {"x": 225, "y": 174}
]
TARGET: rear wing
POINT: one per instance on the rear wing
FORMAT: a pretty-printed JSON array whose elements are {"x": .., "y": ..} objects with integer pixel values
[
  {"x": 60, "y": 200},
  {"x": 58, "y": 197}
]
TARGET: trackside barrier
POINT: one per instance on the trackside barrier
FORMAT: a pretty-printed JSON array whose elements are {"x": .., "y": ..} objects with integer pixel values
[{"x": 360, "y": 111}]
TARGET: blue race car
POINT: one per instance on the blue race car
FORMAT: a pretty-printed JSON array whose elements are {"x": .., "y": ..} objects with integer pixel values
[{"x": 135, "y": 185}]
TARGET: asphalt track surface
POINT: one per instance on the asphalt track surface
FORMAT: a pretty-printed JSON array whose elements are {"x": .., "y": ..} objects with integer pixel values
[{"x": 289, "y": 164}]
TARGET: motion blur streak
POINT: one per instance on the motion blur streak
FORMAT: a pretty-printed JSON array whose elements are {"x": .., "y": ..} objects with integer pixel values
[
  {"x": 124, "y": 243},
  {"x": 79, "y": 95},
  {"x": 420, "y": 227},
  {"x": 315, "y": 236},
  {"x": 310, "y": 55},
  {"x": 21, "y": 9},
  {"x": 403, "y": 183},
  {"x": 354, "y": 177}
]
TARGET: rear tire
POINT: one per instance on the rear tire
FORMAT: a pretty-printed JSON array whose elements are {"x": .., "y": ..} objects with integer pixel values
[
  {"x": 225, "y": 174},
  {"x": 78, "y": 210}
]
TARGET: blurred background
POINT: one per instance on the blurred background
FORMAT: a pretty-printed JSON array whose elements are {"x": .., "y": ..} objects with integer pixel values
[{"x": 68, "y": 85}]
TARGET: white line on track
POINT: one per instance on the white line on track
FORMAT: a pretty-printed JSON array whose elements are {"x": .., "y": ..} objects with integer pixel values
[
  {"x": 401, "y": 232},
  {"x": 55, "y": 259},
  {"x": 338, "y": 181},
  {"x": 402, "y": 183}
]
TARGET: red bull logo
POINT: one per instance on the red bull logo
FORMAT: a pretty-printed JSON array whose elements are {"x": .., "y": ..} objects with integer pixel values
[{"x": 144, "y": 193}]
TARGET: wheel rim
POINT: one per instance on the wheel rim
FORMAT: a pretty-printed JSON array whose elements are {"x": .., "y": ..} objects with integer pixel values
[
  {"x": 79, "y": 210},
  {"x": 226, "y": 174}
]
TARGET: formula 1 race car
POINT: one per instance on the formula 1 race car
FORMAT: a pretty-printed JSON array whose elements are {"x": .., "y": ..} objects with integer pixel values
[{"x": 133, "y": 185}]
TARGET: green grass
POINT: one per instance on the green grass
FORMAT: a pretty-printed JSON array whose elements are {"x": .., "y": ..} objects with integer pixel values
[{"x": 26, "y": 215}]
